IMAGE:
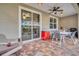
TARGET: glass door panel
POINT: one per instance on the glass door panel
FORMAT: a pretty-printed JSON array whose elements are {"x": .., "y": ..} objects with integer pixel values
[
  {"x": 26, "y": 17},
  {"x": 26, "y": 32},
  {"x": 36, "y": 18},
  {"x": 26, "y": 25},
  {"x": 36, "y": 31}
]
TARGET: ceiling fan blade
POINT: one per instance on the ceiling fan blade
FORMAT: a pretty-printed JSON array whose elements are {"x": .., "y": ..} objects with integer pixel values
[
  {"x": 55, "y": 8},
  {"x": 59, "y": 10},
  {"x": 51, "y": 12},
  {"x": 55, "y": 13}
]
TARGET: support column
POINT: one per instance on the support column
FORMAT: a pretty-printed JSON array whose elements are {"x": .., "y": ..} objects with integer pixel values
[
  {"x": 78, "y": 25},
  {"x": 78, "y": 32}
]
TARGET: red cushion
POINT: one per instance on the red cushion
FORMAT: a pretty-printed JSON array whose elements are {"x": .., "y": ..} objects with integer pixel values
[{"x": 45, "y": 35}]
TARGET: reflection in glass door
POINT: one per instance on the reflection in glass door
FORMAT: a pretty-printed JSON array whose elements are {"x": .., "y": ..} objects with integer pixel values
[
  {"x": 26, "y": 32},
  {"x": 36, "y": 31},
  {"x": 26, "y": 25}
]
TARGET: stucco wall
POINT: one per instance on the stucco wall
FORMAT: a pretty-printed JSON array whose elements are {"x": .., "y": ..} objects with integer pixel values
[
  {"x": 9, "y": 20},
  {"x": 9, "y": 23},
  {"x": 45, "y": 21},
  {"x": 69, "y": 22}
]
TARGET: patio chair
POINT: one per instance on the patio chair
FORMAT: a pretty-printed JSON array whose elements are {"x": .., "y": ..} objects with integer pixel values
[
  {"x": 7, "y": 48},
  {"x": 56, "y": 35},
  {"x": 73, "y": 37},
  {"x": 3, "y": 38}
]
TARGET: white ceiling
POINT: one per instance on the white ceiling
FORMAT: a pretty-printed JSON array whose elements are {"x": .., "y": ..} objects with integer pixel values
[{"x": 67, "y": 7}]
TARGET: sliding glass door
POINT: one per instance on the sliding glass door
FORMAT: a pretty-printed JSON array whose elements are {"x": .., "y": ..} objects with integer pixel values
[
  {"x": 26, "y": 25},
  {"x": 30, "y": 25},
  {"x": 36, "y": 25}
]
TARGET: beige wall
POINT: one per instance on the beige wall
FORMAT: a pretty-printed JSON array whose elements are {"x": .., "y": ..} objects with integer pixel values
[
  {"x": 69, "y": 22},
  {"x": 9, "y": 20},
  {"x": 9, "y": 23},
  {"x": 45, "y": 21}
]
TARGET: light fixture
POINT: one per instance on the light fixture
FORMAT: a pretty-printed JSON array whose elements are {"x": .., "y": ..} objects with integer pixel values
[
  {"x": 25, "y": 15},
  {"x": 56, "y": 11}
]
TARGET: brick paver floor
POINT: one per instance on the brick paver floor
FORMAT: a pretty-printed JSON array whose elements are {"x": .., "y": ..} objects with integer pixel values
[{"x": 49, "y": 48}]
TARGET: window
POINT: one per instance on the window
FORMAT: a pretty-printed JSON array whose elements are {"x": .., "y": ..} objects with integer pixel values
[{"x": 53, "y": 23}]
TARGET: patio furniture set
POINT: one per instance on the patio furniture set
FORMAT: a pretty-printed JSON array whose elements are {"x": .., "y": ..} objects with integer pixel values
[{"x": 59, "y": 36}]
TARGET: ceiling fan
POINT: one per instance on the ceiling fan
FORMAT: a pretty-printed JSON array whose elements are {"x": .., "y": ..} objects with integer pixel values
[{"x": 55, "y": 10}]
